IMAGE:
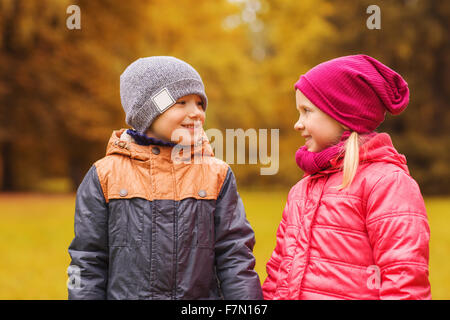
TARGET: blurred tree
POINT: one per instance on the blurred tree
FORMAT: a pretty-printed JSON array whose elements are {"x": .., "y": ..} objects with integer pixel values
[
  {"x": 413, "y": 40},
  {"x": 57, "y": 85},
  {"x": 59, "y": 88},
  {"x": 293, "y": 37}
]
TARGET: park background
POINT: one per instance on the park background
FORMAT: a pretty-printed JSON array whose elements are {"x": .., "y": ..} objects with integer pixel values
[{"x": 59, "y": 102}]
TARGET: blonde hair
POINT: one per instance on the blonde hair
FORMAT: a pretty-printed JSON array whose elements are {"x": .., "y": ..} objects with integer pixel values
[{"x": 351, "y": 159}]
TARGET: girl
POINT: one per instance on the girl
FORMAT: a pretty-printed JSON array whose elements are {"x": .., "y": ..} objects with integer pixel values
[{"x": 355, "y": 227}]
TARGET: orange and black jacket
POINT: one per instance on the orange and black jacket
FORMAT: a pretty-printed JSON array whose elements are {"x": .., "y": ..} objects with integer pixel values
[{"x": 150, "y": 227}]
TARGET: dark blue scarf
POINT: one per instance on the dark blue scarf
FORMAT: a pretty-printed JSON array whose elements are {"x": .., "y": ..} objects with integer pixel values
[{"x": 143, "y": 140}]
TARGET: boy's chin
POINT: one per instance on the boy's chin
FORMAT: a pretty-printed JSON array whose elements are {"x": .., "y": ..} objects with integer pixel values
[
  {"x": 185, "y": 143},
  {"x": 186, "y": 137},
  {"x": 185, "y": 140}
]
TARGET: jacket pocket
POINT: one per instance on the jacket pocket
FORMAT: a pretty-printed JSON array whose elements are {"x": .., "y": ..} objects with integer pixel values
[
  {"x": 197, "y": 219},
  {"x": 125, "y": 222},
  {"x": 205, "y": 224}
]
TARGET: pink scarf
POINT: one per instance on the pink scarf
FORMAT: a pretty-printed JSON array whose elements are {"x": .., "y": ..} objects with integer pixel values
[{"x": 312, "y": 162}]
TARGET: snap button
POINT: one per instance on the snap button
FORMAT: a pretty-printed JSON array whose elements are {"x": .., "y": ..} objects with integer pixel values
[
  {"x": 122, "y": 144},
  {"x": 155, "y": 150},
  {"x": 123, "y": 192},
  {"x": 202, "y": 193}
]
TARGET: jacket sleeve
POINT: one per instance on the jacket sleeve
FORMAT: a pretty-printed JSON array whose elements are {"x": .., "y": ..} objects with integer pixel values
[
  {"x": 273, "y": 265},
  {"x": 88, "y": 270},
  {"x": 398, "y": 230},
  {"x": 234, "y": 241}
]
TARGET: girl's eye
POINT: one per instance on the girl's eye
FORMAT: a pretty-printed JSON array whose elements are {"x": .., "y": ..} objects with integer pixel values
[
  {"x": 200, "y": 103},
  {"x": 304, "y": 110},
  {"x": 181, "y": 102}
]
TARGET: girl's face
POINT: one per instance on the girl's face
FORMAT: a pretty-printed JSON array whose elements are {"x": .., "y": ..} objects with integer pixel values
[
  {"x": 177, "y": 123},
  {"x": 318, "y": 128}
]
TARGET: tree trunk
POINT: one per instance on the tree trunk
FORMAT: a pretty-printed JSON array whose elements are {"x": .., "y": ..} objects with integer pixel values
[{"x": 6, "y": 170}]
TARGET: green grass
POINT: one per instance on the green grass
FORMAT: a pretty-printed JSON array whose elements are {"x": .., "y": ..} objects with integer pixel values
[{"x": 36, "y": 230}]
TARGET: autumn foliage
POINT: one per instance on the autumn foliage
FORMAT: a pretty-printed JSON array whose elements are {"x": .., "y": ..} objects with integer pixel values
[{"x": 59, "y": 88}]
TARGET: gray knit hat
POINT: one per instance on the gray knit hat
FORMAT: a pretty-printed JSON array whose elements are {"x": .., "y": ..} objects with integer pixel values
[{"x": 149, "y": 86}]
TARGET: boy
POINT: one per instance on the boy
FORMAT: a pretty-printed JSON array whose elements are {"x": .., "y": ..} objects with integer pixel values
[{"x": 150, "y": 227}]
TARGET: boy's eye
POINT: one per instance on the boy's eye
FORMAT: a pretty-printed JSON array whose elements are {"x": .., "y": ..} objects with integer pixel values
[{"x": 181, "y": 102}]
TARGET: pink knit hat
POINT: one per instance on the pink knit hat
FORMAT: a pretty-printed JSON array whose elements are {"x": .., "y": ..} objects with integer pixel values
[{"x": 355, "y": 90}]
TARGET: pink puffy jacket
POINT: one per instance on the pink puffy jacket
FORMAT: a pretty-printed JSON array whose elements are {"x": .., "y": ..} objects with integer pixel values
[{"x": 367, "y": 241}]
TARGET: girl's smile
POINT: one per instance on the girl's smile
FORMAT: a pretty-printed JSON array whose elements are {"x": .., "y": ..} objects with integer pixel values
[{"x": 319, "y": 129}]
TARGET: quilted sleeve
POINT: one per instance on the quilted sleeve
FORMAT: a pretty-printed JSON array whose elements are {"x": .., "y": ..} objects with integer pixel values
[
  {"x": 235, "y": 240},
  {"x": 399, "y": 233},
  {"x": 88, "y": 270}
]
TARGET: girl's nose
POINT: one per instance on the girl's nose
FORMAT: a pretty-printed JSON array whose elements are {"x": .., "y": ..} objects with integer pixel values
[{"x": 299, "y": 125}]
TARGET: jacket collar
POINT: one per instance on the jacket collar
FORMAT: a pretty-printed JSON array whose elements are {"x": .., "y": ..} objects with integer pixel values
[
  {"x": 378, "y": 149},
  {"x": 122, "y": 143}
]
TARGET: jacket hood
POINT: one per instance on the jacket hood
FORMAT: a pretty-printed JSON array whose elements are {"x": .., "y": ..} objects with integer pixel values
[
  {"x": 123, "y": 144},
  {"x": 379, "y": 148}
]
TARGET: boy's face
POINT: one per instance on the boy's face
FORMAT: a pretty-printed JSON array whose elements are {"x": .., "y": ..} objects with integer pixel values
[
  {"x": 319, "y": 129},
  {"x": 177, "y": 123}
]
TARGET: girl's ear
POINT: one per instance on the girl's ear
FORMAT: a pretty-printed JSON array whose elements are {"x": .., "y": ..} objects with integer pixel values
[{"x": 345, "y": 127}]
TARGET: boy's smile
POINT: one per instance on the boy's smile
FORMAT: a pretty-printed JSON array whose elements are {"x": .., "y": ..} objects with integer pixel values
[{"x": 180, "y": 121}]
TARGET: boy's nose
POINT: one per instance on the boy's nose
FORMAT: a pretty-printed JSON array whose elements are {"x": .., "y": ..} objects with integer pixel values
[{"x": 194, "y": 111}]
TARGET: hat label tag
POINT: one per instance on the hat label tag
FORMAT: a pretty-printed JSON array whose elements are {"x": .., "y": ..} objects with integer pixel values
[{"x": 163, "y": 99}]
